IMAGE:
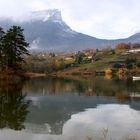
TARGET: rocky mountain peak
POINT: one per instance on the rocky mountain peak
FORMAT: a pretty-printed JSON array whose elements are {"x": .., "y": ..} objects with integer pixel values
[{"x": 51, "y": 14}]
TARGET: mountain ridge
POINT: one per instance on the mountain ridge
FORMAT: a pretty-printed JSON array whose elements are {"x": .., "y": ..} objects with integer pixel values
[{"x": 46, "y": 31}]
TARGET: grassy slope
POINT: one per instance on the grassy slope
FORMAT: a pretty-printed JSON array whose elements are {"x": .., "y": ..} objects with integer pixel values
[
  {"x": 107, "y": 61},
  {"x": 91, "y": 67}
]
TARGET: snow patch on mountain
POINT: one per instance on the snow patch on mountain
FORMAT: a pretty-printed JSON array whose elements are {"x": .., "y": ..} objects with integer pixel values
[
  {"x": 51, "y": 14},
  {"x": 35, "y": 44}
]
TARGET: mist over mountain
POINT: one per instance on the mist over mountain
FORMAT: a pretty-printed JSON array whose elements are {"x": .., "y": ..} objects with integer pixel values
[{"x": 46, "y": 31}]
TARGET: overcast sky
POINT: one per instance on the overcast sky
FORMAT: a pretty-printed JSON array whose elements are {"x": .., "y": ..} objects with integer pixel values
[{"x": 99, "y": 18}]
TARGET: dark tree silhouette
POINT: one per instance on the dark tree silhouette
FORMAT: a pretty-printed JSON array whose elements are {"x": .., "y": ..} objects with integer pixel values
[
  {"x": 13, "y": 105},
  {"x": 79, "y": 57},
  {"x": 14, "y": 47},
  {"x": 1, "y": 48}
]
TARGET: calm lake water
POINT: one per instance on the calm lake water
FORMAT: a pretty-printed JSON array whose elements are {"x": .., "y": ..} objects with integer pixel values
[{"x": 64, "y": 109}]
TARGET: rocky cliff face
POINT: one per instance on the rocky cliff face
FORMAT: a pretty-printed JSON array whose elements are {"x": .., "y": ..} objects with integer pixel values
[{"x": 46, "y": 30}]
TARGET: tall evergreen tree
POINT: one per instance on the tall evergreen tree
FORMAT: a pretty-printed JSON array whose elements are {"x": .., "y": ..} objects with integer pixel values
[
  {"x": 14, "y": 46},
  {"x": 1, "y": 48},
  {"x": 1, "y": 32}
]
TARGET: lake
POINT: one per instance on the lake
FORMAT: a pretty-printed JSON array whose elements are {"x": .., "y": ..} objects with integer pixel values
[{"x": 94, "y": 108}]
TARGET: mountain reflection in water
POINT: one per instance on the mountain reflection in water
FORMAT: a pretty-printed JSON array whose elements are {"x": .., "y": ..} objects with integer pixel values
[
  {"x": 66, "y": 109},
  {"x": 120, "y": 121}
]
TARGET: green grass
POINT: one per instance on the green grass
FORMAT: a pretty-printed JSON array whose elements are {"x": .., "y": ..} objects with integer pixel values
[
  {"x": 69, "y": 61},
  {"x": 105, "y": 62}
]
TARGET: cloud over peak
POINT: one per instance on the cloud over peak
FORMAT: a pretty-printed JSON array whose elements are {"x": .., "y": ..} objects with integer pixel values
[{"x": 100, "y": 18}]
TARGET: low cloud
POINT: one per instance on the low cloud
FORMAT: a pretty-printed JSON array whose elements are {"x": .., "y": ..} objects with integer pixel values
[{"x": 99, "y": 18}]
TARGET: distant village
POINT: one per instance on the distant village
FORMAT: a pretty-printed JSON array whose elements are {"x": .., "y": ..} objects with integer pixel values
[{"x": 124, "y": 56}]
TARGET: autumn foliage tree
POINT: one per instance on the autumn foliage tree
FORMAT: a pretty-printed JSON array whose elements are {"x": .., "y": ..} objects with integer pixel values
[{"x": 122, "y": 47}]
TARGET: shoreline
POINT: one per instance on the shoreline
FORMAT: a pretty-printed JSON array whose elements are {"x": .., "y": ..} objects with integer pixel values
[{"x": 32, "y": 75}]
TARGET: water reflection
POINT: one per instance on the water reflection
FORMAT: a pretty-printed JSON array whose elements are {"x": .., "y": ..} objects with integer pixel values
[
  {"x": 13, "y": 107},
  {"x": 69, "y": 109},
  {"x": 117, "y": 122},
  {"x": 122, "y": 90}
]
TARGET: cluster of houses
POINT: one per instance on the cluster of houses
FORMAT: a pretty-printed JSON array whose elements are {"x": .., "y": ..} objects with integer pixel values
[
  {"x": 88, "y": 54},
  {"x": 135, "y": 50}
]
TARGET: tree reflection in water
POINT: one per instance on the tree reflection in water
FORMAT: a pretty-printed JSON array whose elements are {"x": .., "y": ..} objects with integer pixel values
[{"x": 13, "y": 106}]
